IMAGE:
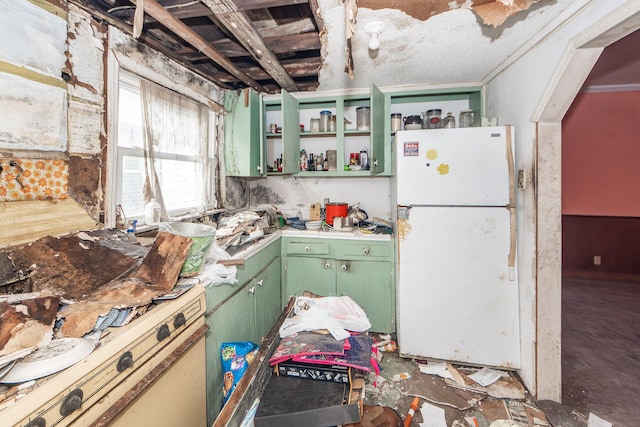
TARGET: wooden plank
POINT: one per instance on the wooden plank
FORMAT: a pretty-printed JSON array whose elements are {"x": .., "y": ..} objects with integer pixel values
[
  {"x": 294, "y": 68},
  {"x": 280, "y": 44},
  {"x": 26, "y": 221}
]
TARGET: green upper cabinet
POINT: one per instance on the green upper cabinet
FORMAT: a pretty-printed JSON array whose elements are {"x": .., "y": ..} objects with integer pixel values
[
  {"x": 282, "y": 134},
  {"x": 243, "y": 147},
  {"x": 378, "y": 154},
  {"x": 263, "y": 134}
]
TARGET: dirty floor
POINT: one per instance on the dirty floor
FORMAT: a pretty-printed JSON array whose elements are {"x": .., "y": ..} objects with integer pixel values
[
  {"x": 600, "y": 366},
  {"x": 460, "y": 406}
]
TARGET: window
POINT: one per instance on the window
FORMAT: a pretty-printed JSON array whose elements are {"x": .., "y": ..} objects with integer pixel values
[{"x": 175, "y": 163}]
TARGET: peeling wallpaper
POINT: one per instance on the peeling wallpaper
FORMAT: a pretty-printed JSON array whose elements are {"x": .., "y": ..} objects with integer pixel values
[{"x": 30, "y": 179}]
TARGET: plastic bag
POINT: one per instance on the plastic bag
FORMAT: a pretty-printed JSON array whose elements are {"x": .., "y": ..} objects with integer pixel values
[
  {"x": 336, "y": 314},
  {"x": 236, "y": 358},
  {"x": 216, "y": 274}
]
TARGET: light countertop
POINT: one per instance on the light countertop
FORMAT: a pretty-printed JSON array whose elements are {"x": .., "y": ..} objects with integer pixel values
[{"x": 319, "y": 234}]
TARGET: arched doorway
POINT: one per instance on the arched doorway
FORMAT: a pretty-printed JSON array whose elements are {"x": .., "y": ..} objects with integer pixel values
[{"x": 578, "y": 61}]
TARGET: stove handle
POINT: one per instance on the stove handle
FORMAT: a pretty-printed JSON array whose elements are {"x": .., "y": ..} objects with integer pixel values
[
  {"x": 179, "y": 320},
  {"x": 125, "y": 362},
  {"x": 72, "y": 402},
  {"x": 38, "y": 422},
  {"x": 163, "y": 332}
]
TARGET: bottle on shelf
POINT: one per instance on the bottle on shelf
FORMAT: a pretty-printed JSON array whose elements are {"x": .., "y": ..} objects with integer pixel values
[
  {"x": 364, "y": 159},
  {"x": 312, "y": 164}
]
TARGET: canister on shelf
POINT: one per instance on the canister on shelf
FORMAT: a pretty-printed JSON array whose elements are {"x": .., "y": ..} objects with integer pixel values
[
  {"x": 325, "y": 118},
  {"x": 396, "y": 122},
  {"x": 449, "y": 121},
  {"x": 466, "y": 118},
  {"x": 314, "y": 125},
  {"x": 354, "y": 159},
  {"x": 363, "y": 118}
]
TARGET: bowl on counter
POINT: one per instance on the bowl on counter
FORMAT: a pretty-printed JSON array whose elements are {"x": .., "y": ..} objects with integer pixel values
[{"x": 313, "y": 225}]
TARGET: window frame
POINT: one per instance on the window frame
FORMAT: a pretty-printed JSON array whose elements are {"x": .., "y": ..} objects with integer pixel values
[{"x": 115, "y": 153}]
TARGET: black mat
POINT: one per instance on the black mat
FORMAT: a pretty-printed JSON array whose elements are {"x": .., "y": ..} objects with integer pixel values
[{"x": 289, "y": 401}]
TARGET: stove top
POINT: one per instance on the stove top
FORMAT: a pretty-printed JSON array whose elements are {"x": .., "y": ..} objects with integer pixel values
[{"x": 63, "y": 397}]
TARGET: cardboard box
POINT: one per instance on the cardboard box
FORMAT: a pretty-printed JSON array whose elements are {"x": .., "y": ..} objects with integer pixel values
[{"x": 314, "y": 212}]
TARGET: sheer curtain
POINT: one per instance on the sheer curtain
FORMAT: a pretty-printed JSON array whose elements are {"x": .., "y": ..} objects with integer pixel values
[{"x": 173, "y": 124}]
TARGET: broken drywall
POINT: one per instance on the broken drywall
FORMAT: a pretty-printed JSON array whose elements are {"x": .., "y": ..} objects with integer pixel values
[
  {"x": 152, "y": 65},
  {"x": 85, "y": 74},
  {"x": 453, "y": 47},
  {"x": 32, "y": 115},
  {"x": 32, "y": 37},
  {"x": 84, "y": 179},
  {"x": 491, "y": 12}
]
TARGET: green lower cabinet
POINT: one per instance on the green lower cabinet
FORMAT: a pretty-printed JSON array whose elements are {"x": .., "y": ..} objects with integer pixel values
[
  {"x": 360, "y": 269},
  {"x": 267, "y": 300},
  {"x": 317, "y": 275},
  {"x": 370, "y": 284},
  {"x": 245, "y": 311},
  {"x": 231, "y": 322}
]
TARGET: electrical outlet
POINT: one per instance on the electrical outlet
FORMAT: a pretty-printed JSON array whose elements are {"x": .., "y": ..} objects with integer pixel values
[{"x": 597, "y": 260}]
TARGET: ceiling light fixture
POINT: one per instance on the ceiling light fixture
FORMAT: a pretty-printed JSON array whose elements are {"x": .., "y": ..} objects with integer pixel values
[{"x": 374, "y": 28}]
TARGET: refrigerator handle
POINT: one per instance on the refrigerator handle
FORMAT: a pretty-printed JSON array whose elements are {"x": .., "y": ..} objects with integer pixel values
[{"x": 513, "y": 232}]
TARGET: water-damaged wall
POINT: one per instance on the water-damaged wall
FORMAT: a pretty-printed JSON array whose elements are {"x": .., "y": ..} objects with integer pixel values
[{"x": 53, "y": 118}]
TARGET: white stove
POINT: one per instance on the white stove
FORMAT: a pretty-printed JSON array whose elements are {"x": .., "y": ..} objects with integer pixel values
[{"x": 124, "y": 375}]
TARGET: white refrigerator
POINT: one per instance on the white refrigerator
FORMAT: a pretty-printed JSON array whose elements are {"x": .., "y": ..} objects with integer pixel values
[{"x": 457, "y": 288}]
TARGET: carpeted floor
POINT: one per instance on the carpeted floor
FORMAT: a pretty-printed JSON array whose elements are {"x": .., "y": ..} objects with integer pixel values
[{"x": 601, "y": 349}]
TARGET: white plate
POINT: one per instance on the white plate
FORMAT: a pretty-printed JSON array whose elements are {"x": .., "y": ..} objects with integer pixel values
[{"x": 53, "y": 357}]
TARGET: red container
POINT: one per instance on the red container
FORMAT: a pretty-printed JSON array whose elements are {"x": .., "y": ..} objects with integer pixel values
[{"x": 335, "y": 210}]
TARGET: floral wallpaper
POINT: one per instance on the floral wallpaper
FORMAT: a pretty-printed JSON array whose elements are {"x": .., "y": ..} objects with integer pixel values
[{"x": 33, "y": 179}]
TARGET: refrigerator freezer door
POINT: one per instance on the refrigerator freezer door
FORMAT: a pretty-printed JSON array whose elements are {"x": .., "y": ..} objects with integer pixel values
[
  {"x": 453, "y": 167},
  {"x": 454, "y": 297}
]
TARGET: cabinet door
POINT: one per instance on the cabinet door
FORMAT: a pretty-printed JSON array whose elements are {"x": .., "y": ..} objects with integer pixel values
[
  {"x": 232, "y": 321},
  {"x": 317, "y": 275},
  {"x": 243, "y": 147},
  {"x": 268, "y": 300},
  {"x": 377, "y": 161},
  {"x": 370, "y": 284},
  {"x": 290, "y": 134}
]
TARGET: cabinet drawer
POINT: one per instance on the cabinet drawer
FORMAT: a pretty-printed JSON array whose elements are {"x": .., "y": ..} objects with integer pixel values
[
  {"x": 366, "y": 250},
  {"x": 298, "y": 248}
]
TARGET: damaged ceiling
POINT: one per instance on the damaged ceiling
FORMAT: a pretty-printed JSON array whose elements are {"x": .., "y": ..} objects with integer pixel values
[{"x": 299, "y": 45}]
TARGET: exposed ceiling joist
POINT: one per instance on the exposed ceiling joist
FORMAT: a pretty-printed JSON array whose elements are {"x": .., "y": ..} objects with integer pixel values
[
  {"x": 243, "y": 30},
  {"x": 162, "y": 15}
]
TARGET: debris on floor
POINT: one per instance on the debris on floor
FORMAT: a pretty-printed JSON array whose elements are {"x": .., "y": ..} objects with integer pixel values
[{"x": 450, "y": 395}]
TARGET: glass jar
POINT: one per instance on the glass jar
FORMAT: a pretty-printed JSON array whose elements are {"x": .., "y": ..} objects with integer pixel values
[
  {"x": 431, "y": 119},
  {"x": 396, "y": 122},
  {"x": 314, "y": 125},
  {"x": 466, "y": 118},
  {"x": 449, "y": 121},
  {"x": 363, "y": 118}
]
